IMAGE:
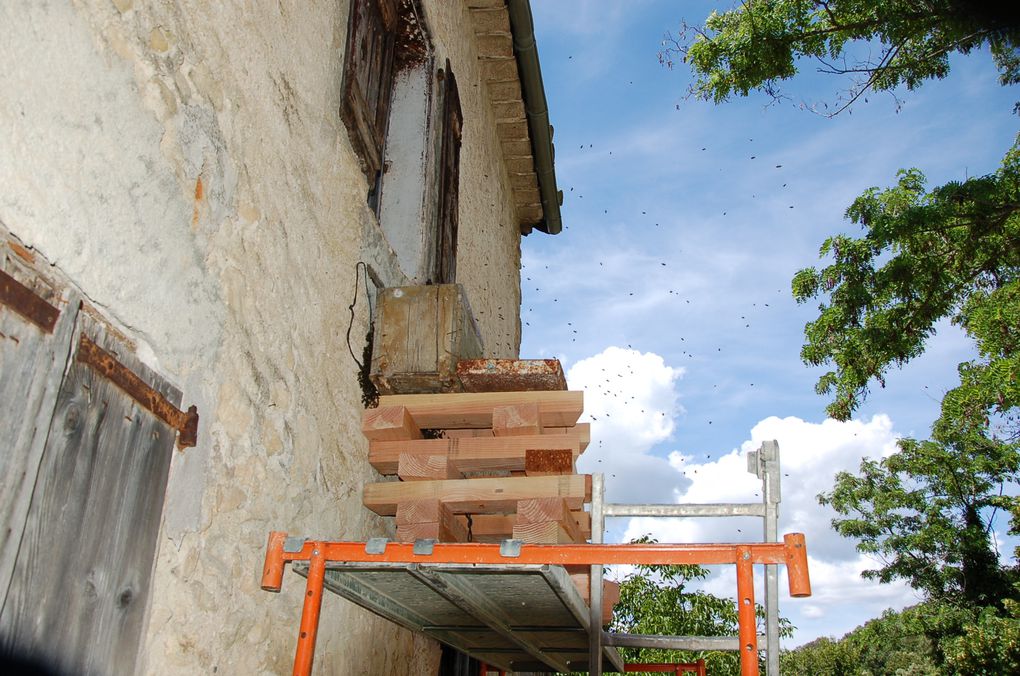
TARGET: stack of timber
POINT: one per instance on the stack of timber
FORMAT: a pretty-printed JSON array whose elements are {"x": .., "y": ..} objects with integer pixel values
[{"x": 485, "y": 466}]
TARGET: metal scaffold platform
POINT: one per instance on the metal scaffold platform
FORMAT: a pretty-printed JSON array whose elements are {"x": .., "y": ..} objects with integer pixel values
[{"x": 491, "y": 601}]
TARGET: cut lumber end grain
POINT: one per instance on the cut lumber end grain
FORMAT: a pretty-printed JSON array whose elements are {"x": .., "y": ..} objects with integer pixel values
[
  {"x": 546, "y": 520},
  {"x": 545, "y": 461},
  {"x": 384, "y": 456},
  {"x": 517, "y": 420},
  {"x": 446, "y": 527},
  {"x": 389, "y": 423},
  {"x": 422, "y": 467},
  {"x": 511, "y": 375},
  {"x": 417, "y": 511},
  {"x": 462, "y": 410},
  {"x": 548, "y": 533},
  {"x": 540, "y": 510}
]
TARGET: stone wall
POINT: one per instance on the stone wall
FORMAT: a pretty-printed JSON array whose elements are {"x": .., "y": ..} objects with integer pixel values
[{"x": 184, "y": 163}]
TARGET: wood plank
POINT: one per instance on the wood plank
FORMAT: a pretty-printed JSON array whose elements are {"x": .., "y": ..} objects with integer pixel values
[
  {"x": 511, "y": 375},
  {"x": 474, "y": 409},
  {"x": 516, "y": 421},
  {"x": 421, "y": 467},
  {"x": 478, "y": 496},
  {"x": 472, "y": 454},
  {"x": 81, "y": 584},
  {"x": 389, "y": 423}
]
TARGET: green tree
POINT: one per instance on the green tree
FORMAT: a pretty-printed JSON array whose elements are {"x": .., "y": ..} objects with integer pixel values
[
  {"x": 895, "y": 643},
  {"x": 762, "y": 43},
  {"x": 924, "y": 255},
  {"x": 658, "y": 600},
  {"x": 925, "y": 513}
]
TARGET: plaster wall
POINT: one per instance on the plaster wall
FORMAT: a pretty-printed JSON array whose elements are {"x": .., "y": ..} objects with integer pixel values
[{"x": 184, "y": 163}]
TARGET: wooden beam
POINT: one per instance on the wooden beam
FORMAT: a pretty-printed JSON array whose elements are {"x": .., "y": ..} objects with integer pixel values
[
  {"x": 417, "y": 511},
  {"x": 515, "y": 421},
  {"x": 474, "y": 409},
  {"x": 540, "y": 510},
  {"x": 610, "y": 590},
  {"x": 546, "y": 520},
  {"x": 445, "y": 527},
  {"x": 473, "y": 454},
  {"x": 471, "y": 496},
  {"x": 389, "y": 423},
  {"x": 581, "y": 430},
  {"x": 422, "y": 467}
]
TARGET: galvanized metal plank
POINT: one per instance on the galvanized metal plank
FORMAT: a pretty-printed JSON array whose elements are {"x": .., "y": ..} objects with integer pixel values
[{"x": 513, "y": 617}]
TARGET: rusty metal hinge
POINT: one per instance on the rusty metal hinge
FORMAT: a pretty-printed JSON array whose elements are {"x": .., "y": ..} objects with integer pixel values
[
  {"x": 26, "y": 303},
  {"x": 136, "y": 388}
]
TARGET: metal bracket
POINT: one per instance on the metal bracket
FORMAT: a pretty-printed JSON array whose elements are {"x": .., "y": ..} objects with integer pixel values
[
  {"x": 107, "y": 365},
  {"x": 26, "y": 303},
  {"x": 424, "y": 547},
  {"x": 376, "y": 546},
  {"x": 511, "y": 549},
  {"x": 293, "y": 545}
]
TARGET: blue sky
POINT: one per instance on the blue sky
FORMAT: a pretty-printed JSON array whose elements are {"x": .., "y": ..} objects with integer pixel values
[{"x": 667, "y": 295}]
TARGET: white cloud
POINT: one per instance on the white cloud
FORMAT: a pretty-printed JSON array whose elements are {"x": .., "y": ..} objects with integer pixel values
[
  {"x": 631, "y": 400},
  {"x": 810, "y": 456}
]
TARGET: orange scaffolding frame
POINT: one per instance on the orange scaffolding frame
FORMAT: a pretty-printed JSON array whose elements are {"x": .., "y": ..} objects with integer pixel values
[{"x": 317, "y": 553}]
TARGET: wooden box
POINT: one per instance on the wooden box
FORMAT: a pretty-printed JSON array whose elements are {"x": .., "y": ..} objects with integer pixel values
[{"x": 421, "y": 332}]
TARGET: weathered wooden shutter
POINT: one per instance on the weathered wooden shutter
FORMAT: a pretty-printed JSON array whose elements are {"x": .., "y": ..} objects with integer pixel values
[
  {"x": 35, "y": 336},
  {"x": 82, "y": 575},
  {"x": 449, "y": 183},
  {"x": 368, "y": 79}
]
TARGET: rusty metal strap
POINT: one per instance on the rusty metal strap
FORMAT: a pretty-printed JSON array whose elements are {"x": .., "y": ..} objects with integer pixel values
[
  {"x": 106, "y": 364},
  {"x": 26, "y": 303}
]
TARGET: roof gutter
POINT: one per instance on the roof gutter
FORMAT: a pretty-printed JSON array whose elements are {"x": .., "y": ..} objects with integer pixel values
[{"x": 537, "y": 110}]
